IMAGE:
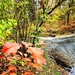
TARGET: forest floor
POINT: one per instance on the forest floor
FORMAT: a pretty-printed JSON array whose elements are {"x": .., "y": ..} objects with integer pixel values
[{"x": 51, "y": 68}]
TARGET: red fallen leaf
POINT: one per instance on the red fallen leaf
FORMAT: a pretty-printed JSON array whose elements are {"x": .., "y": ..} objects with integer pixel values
[
  {"x": 1, "y": 56},
  {"x": 10, "y": 47},
  {"x": 12, "y": 73},
  {"x": 28, "y": 73},
  {"x": 11, "y": 68}
]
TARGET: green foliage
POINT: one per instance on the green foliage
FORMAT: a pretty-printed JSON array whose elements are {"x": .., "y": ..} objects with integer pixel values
[
  {"x": 6, "y": 28},
  {"x": 23, "y": 17},
  {"x": 6, "y": 9},
  {"x": 44, "y": 17}
]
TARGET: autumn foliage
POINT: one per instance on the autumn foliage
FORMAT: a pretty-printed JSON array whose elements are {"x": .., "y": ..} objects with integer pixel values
[{"x": 20, "y": 59}]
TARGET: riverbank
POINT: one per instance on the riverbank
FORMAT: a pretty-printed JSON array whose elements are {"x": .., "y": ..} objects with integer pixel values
[
  {"x": 63, "y": 48},
  {"x": 52, "y": 68}
]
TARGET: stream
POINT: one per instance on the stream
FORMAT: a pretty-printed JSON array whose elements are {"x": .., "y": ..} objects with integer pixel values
[{"x": 62, "y": 50}]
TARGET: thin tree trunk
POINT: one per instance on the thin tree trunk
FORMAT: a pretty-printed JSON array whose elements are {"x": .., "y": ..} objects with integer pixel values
[{"x": 68, "y": 14}]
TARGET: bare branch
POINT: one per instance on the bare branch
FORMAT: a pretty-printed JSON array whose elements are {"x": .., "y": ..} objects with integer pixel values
[{"x": 58, "y": 4}]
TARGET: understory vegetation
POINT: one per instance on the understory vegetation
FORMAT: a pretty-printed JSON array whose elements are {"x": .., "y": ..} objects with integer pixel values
[
  {"x": 26, "y": 20},
  {"x": 23, "y": 59}
]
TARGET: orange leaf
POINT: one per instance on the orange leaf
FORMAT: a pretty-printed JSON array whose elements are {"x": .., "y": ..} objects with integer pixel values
[
  {"x": 34, "y": 50},
  {"x": 4, "y": 73},
  {"x": 39, "y": 59},
  {"x": 10, "y": 47},
  {"x": 26, "y": 59},
  {"x": 37, "y": 55},
  {"x": 28, "y": 73},
  {"x": 11, "y": 68}
]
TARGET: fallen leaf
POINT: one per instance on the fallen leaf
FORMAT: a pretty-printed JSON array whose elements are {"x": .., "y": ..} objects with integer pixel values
[
  {"x": 37, "y": 55},
  {"x": 26, "y": 59},
  {"x": 11, "y": 68},
  {"x": 10, "y": 47}
]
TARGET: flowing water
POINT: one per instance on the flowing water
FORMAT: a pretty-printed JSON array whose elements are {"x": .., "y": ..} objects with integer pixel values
[
  {"x": 64, "y": 49},
  {"x": 72, "y": 71}
]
